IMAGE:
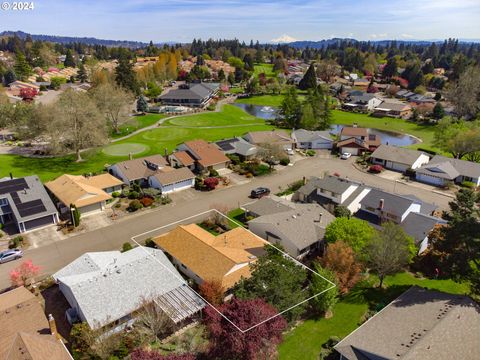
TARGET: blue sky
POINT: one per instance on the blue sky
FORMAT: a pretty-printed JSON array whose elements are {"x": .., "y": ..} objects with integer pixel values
[{"x": 265, "y": 20}]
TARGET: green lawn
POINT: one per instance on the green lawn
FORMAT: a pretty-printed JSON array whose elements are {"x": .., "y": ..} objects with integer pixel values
[
  {"x": 138, "y": 122},
  {"x": 153, "y": 141},
  {"x": 238, "y": 216},
  {"x": 304, "y": 342},
  {"x": 263, "y": 68}
]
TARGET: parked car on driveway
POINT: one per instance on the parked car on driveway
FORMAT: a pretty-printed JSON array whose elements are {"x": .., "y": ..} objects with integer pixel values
[
  {"x": 259, "y": 192},
  {"x": 345, "y": 155},
  {"x": 290, "y": 151},
  {"x": 9, "y": 255}
]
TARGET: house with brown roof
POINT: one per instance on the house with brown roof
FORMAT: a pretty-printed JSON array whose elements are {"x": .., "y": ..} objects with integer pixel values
[
  {"x": 203, "y": 256},
  {"x": 25, "y": 332},
  {"x": 206, "y": 156},
  {"x": 88, "y": 194},
  {"x": 395, "y": 109},
  {"x": 181, "y": 159},
  {"x": 356, "y": 140},
  {"x": 155, "y": 172},
  {"x": 272, "y": 137}
]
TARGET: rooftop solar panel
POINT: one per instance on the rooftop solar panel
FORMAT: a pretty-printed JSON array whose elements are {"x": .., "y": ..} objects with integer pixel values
[
  {"x": 31, "y": 208},
  {"x": 14, "y": 185},
  {"x": 226, "y": 145}
]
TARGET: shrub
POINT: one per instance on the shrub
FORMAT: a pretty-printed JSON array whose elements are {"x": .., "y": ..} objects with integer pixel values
[
  {"x": 376, "y": 169},
  {"x": 210, "y": 183},
  {"x": 199, "y": 184},
  {"x": 133, "y": 195},
  {"x": 151, "y": 192},
  {"x": 213, "y": 173},
  {"x": 284, "y": 161},
  {"x": 16, "y": 242},
  {"x": 134, "y": 205},
  {"x": 342, "y": 211},
  {"x": 116, "y": 194},
  {"x": 118, "y": 206},
  {"x": 235, "y": 159},
  {"x": 469, "y": 184},
  {"x": 165, "y": 200},
  {"x": 311, "y": 152},
  {"x": 126, "y": 246},
  {"x": 146, "y": 201}
]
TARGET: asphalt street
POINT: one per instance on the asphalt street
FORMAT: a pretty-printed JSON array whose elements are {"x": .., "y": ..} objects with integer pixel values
[{"x": 55, "y": 255}]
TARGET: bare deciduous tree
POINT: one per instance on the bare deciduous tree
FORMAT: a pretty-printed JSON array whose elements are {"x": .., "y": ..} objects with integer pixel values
[
  {"x": 465, "y": 93},
  {"x": 152, "y": 323}
]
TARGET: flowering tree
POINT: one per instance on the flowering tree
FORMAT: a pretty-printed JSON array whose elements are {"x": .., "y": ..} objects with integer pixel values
[
  {"x": 229, "y": 343},
  {"x": 27, "y": 94},
  {"x": 26, "y": 271},
  {"x": 212, "y": 291},
  {"x": 211, "y": 183}
]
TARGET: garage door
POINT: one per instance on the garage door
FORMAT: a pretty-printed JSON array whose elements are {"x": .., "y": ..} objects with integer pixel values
[
  {"x": 430, "y": 179},
  {"x": 353, "y": 151},
  {"x": 396, "y": 166},
  {"x": 36, "y": 223},
  {"x": 90, "y": 209}
]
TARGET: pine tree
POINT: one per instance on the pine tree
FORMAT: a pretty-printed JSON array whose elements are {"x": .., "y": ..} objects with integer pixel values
[
  {"x": 309, "y": 80},
  {"x": 82, "y": 75},
  {"x": 69, "y": 62},
  {"x": 9, "y": 76},
  {"x": 391, "y": 68},
  {"x": 291, "y": 108},
  {"x": 125, "y": 76},
  {"x": 21, "y": 67},
  {"x": 221, "y": 75},
  {"x": 142, "y": 105},
  {"x": 438, "y": 111}
]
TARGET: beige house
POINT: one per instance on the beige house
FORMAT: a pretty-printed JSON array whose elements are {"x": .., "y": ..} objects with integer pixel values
[{"x": 88, "y": 194}]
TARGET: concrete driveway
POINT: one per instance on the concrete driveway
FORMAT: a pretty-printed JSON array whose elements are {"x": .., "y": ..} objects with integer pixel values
[{"x": 55, "y": 255}]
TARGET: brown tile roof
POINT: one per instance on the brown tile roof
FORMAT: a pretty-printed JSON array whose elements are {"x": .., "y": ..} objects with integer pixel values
[
  {"x": 169, "y": 175},
  {"x": 102, "y": 181},
  {"x": 184, "y": 158},
  {"x": 213, "y": 257},
  {"x": 80, "y": 191},
  {"x": 352, "y": 142},
  {"x": 137, "y": 169},
  {"x": 24, "y": 330},
  {"x": 353, "y": 131},
  {"x": 205, "y": 153}
]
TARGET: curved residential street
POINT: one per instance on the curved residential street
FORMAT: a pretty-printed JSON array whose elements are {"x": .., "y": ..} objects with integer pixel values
[{"x": 54, "y": 255}]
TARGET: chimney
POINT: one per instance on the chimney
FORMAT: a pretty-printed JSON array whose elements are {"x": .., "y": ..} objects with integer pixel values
[
  {"x": 130, "y": 156},
  {"x": 304, "y": 180},
  {"x": 53, "y": 326},
  {"x": 381, "y": 204}
]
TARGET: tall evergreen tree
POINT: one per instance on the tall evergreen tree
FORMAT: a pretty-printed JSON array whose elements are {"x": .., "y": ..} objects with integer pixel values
[
  {"x": 82, "y": 75},
  {"x": 125, "y": 76},
  {"x": 309, "y": 80},
  {"x": 142, "y": 105},
  {"x": 291, "y": 109},
  {"x": 21, "y": 67},
  {"x": 390, "y": 68},
  {"x": 69, "y": 61}
]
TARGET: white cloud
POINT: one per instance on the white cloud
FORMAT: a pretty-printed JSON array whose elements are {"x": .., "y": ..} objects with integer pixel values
[
  {"x": 284, "y": 39},
  {"x": 378, "y": 36},
  {"x": 406, "y": 36}
]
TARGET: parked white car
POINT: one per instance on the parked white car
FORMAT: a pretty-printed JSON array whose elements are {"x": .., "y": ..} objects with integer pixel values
[
  {"x": 290, "y": 151},
  {"x": 345, "y": 155}
]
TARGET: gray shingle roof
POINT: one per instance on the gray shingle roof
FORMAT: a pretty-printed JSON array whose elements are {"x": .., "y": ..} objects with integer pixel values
[
  {"x": 306, "y": 136},
  {"x": 269, "y": 205},
  {"x": 334, "y": 184},
  {"x": 194, "y": 92},
  {"x": 301, "y": 225},
  {"x": 418, "y": 225},
  {"x": 110, "y": 285},
  {"x": 419, "y": 324},
  {"x": 392, "y": 203},
  {"x": 396, "y": 154},
  {"x": 450, "y": 167}
]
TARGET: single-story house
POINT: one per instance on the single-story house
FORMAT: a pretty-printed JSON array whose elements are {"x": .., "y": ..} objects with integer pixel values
[
  {"x": 364, "y": 102},
  {"x": 26, "y": 333},
  {"x": 193, "y": 95},
  {"x": 207, "y": 156},
  {"x": 170, "y": 179},
  {"x": 25, "y": 203},
  {"x": 88, "y": 194},
  {"x": 348, "y": 132},
  {"x": 306, "y": 139},
  {"x": 272, "y": 137},
  {"x": 179, "y": 159},
  {"x": 398, "y": 158},
  {"x": 419, "y": 226},
  {"x": 300, "y": 231},
  {"x": 203, "y": 256},
  {"x": 419, "y": 324},
  {"x": 404, "y": 94},
  {"x": 393, "y": 109},
  {"x": 17, "y": 86},
  {"x": 363, "y": 82},
  {"x": 138, "y": 170},
  {"x": 268, "y": 205},
  {"x": 108, "y": 288},
  {"x": 238, "y": 146},
  {"x": 441, "y": 170},
  {"x": 333, "y": 190},
  {"x": 356, "y": 146}
]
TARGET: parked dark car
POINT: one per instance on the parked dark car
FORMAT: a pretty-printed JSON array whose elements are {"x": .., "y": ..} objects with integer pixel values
[
  {"x": 259, "y": 192},
  {"x": 9, "y": 255}
]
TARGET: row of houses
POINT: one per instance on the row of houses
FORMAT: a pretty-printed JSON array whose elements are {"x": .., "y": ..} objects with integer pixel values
[
  {"x": 365, "y": 102},
  {"x": 438, "y": 170}
]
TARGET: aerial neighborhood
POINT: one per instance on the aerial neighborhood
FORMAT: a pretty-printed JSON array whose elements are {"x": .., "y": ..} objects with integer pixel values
[{"x": 230, "y": 200}]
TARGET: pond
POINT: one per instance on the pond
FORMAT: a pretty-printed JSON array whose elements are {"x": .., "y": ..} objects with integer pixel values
[{"x": 388, "y": 137}]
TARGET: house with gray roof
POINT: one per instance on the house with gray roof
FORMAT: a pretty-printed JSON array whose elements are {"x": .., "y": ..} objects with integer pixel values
[
  {"x": 267, "y": 205},
  {"x": 306, "y": 139},
  {"x": 440, "y": 170},
  {"x": 238, "y": 146},
  {"x": 419, "y": 324},
  {"x": 25, "y": 204},
  {"x": 398, "y": 158},
  {"x": 109, "y": 287},
  {"x": 300, "y": 230},
  {"x": 193, "y": 95},
  {"x": 419, "y": 226},
  {"x": 363, "y": 102}
]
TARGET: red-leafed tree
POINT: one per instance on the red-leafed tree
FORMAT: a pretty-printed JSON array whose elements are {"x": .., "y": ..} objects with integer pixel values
[
  {"x": 212, "y": 291},
  {"x": 340, "y": 258},
  {"x": 28, "y": 94},
  {"x": 141, "y": 354},
  {"x": 22, "y": 274},
  {"x": 211, "y": 183},
  {"x": 258, "y": 343}
]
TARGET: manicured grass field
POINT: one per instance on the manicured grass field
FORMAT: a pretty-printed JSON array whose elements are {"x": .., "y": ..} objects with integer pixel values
[
  {"x": 230, "y": 115},
  {"x": 305, "y": 341},
  {"x": 138, "y": 122},
  {"x": 263, "y": 68},
  {"x": 153, "y": 141}
]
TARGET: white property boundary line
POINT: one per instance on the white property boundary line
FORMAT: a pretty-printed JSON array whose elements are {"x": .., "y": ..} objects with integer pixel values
[{"x": 133, "y": 238}]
